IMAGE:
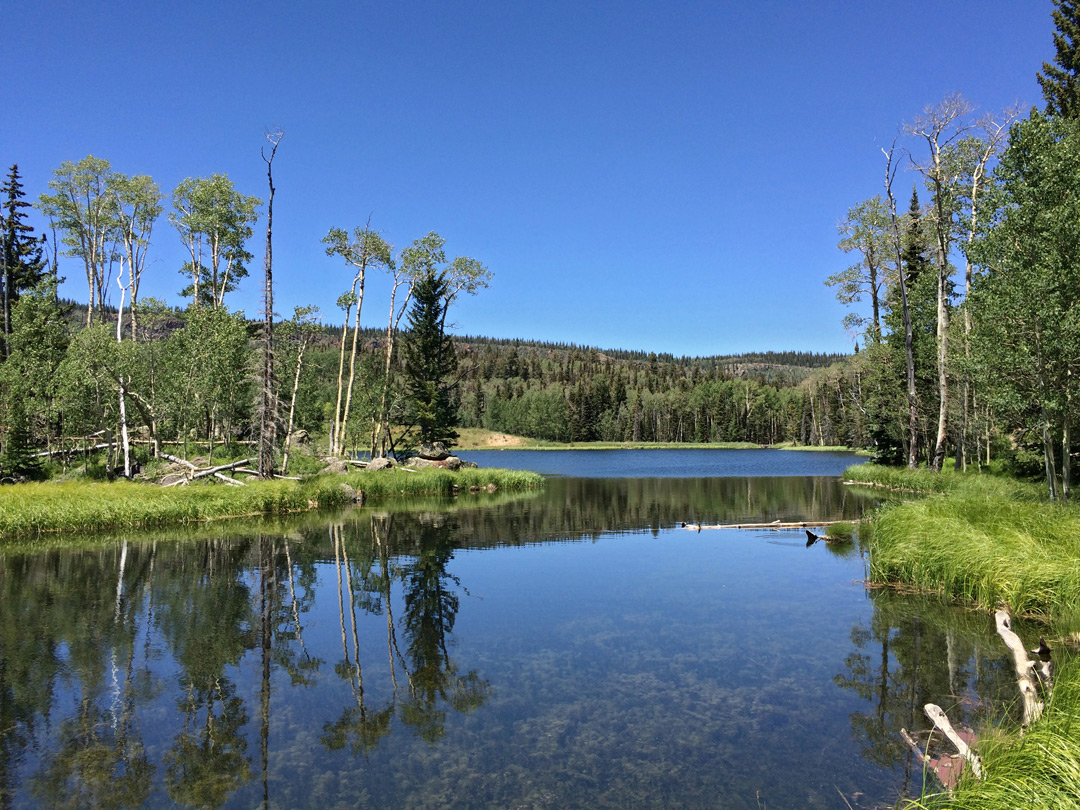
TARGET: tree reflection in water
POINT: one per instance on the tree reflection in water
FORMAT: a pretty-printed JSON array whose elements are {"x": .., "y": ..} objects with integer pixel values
[
  {"x": 430, "y": 610},
  {"x": 216, "y": 673}
]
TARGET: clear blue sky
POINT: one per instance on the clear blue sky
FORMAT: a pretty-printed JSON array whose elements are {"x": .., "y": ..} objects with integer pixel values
[{"x": 662, "y": 176}]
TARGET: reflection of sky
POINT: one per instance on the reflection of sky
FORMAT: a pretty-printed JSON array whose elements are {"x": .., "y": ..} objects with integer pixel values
[{"x": 676, "y": 463}]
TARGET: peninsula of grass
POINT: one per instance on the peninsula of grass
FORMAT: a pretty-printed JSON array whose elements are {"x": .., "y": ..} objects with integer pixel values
[
  {"x": 26, "y": 509},
  {"x": 982, "y": 539}
]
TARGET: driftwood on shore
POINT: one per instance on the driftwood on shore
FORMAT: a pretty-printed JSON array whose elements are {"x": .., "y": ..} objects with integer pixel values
[{"x": 194, "y": 472}]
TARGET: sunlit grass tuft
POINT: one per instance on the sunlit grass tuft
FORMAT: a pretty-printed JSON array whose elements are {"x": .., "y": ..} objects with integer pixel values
[{"x": 988, "y": 541}]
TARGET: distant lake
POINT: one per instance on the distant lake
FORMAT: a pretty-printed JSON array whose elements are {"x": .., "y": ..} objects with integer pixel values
[
  {"x": 574, "y": 647},
  {"x": 668, "y": 463}
]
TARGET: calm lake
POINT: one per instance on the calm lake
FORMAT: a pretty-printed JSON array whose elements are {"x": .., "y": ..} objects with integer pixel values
[{"x": 573, "y": 647}]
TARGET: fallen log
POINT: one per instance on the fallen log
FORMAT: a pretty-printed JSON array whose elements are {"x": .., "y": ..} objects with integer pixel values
[
  {"x": 942, "y": 724},
  {"x": 776, "y": 524},
  {"x": 215, "y": 470},
  {"x": 230, "y": 481},
  {"x": 178, "y": 460}
]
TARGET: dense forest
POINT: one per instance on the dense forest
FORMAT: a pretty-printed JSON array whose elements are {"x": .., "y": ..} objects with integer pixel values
[{"x": 964, "y": 288}]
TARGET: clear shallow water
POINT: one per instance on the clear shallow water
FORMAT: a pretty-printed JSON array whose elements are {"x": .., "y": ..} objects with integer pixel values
[
  {"x": 572, "y": 648},
  {"x": 668, "y": 463}
]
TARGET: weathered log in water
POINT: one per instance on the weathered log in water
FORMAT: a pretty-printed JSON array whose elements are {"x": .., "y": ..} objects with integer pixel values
[{"x": 776, "y": 524}]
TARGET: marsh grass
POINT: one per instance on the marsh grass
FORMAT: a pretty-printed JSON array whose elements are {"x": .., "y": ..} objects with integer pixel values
[
  {"x": 437, "y": 481},
  {"x": 988, "y": 541},
  {"x": 89, "y": 506}
]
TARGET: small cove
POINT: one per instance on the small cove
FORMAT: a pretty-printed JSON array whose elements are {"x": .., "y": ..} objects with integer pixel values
[{"x": 567, "y": 648}]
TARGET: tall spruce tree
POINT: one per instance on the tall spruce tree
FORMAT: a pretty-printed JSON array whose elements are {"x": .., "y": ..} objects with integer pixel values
[
  {"x": 430, "y": 360},
  {"x": 1060, "y": 81},
  {"x": 21, "y": 263}
]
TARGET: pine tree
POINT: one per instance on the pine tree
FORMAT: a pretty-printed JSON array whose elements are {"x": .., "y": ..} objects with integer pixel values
[
  {"x": 21, "y": 262},
  {"x": 1060, "y": 81},
  {"x": 430, "y": 361},
  {"x": 916, "y": 243}
]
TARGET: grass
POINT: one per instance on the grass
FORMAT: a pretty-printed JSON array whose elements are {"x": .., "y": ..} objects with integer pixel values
[
  {"x": 433, "y": 480},
  {"x": 81, "y": 506},
  {"x": 983, "y": 539},
  {"x": 991, "y": 541}
]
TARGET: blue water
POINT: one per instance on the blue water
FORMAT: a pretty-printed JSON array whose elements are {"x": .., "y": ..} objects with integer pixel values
[{"x": 680, "y": 463}]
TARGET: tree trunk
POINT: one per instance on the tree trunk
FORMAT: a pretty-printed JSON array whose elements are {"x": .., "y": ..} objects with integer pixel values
[
  {"x": 1048, "y": 456},
  {"x": 335, "y": 428},
  {"x": 1066, "y": 442},
  {"x": 266, "y": 416},
  {"x": 292, "y": 408},
  {"x": 942, "y": 362},
  {"x": 352, "y": 371}
]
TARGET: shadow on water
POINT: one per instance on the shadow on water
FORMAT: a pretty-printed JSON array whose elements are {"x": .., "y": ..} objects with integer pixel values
[{"x": 453, "y": 656}]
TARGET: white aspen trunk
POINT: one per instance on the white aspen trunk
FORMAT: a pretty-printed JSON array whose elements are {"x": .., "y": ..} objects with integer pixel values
[
  {"x": 335, "y": 428},
  {"x": 120, "y": 379},
  {"x": 383, "y": 428},
  {"x": 292, "y": 409},
  {"x": 352, "y": 366}
]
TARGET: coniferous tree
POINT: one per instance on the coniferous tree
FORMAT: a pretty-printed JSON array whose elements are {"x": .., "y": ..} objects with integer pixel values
[
  {"x": 21, "y": 261},
  {"x": 430, "y": 360},
  {"x": 1060, "y": 81}
]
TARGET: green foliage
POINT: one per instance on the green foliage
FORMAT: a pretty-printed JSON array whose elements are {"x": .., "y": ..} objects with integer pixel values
[
  {"x": 1027, "y": 302},
  {"x": 214, "y": 221},
  {"x": 20, "y": 251}
]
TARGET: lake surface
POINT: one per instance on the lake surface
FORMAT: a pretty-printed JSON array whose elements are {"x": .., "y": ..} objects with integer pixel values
[
  {"x": 574, "y": 647},
  {"x": 667, "y": 463}
]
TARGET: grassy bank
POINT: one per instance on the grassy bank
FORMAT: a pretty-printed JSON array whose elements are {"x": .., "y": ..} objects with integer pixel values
[
  {"x": 981, "y": 539},
  {"x": 991, "y": 541},
  {"x": 81, "y": 506}
]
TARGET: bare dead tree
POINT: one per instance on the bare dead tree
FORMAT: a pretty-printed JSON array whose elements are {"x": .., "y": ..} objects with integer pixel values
[{"x": 267, "y": 424}]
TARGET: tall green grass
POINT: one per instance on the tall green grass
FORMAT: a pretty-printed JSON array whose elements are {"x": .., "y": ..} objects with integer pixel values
[
  {"x": 435, "y": 480},
  {"x": 81, "y": 506},
  {"x": 993, "y": 541},
  {"x": 72, "y": 506},
  {"x": 988, "y": 541}
]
